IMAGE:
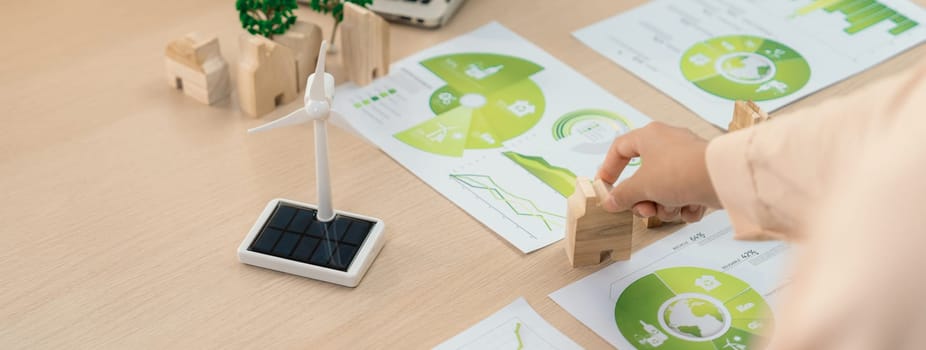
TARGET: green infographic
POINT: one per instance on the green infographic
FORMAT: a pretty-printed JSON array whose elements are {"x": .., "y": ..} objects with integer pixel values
[
  {"x": 597, "y": 129},
  {"x": 560, "y": 179},
  {"x": 745, "y": 67},
  {"x": 488, "y": 99},
  {"x": 692, "y": 308},
  {"x": 861, "y": 15},
  {"x": 485, "y": 187},
  {"x": 595, "y": 125}
]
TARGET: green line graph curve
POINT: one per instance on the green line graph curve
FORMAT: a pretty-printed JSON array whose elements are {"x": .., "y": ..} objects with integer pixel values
[
  {"x": 517, "y": 333},
  {"x": 519, "y": 205},
  {"x": 560, "y": 179}
]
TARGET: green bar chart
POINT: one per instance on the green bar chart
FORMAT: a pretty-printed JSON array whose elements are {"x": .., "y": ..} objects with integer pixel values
[{"x": 861, "y": 14}]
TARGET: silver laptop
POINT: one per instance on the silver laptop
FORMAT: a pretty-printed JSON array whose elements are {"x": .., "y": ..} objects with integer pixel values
[{"x": 422, "y": 13}]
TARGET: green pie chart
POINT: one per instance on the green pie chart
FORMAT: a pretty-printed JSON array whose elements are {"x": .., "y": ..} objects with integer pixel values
[
  {"x": 692, "y": 308},
  {"x": 488, "y": 99},
  {"x": 597, "y": 129},
  {"x": 595, "y": 125},
  {"x": 745, "y": 67}
]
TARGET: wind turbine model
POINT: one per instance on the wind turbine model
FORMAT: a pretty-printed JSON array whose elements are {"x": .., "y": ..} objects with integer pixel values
[{"x": 306, "y": 240}]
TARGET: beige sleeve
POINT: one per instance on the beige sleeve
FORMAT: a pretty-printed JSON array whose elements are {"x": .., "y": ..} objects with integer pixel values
[
  {"x": 770, "y": 178},
  {"x": 858, "y": 281}
]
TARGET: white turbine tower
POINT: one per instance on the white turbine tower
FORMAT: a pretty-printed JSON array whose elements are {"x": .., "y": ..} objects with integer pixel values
[
  {"x": 317, "y": 108},
  {"x": 349, "y": 242}
]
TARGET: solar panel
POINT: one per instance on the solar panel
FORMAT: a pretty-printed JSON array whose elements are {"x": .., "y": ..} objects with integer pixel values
[{"x": 294, "y": 233}]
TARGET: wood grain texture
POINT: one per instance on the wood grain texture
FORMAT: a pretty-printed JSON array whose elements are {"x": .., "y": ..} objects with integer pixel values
[
  {"x": 594, "y": 235},
  {"x": 124, "y": 201},
  {"x": 195, "y": 65},
  {"x": 304, "y": 39},
  {"x": 746, "y": 114},
  {"x": 266, "y": 75},
  {"x": 365, "y": 40}
]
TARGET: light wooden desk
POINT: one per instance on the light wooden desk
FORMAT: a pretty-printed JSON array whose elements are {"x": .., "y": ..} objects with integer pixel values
[{"x": 123, "y": 201}]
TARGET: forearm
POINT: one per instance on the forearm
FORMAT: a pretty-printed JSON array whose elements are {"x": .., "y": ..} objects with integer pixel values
[{"x": 771, "y": 177}]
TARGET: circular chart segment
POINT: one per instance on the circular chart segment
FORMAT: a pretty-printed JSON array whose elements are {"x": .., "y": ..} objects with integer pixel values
[
  {"x": 488, "y": 99},
  {"x": 596, "y": 129},
  {"x": 594, "y": 125},
  {"x": 745, "y": 67},
  {"x": 692, "y": 308}
]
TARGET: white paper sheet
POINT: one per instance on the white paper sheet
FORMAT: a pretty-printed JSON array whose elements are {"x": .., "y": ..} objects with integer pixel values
[
  {"x": 696, "y": 289},
  {"x": 495, "y": 124},
  {"x": 706, "y": 53},
  {"x": 515, "y": 327}
]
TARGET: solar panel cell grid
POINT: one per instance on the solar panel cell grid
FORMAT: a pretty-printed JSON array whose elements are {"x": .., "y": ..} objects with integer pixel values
[{"x": 294, "y": 233}]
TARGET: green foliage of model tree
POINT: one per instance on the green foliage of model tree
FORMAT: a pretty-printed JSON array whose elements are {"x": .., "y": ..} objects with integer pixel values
[
  {"x": 336, "y": 9},
  {"x": 266, "y": 17}
]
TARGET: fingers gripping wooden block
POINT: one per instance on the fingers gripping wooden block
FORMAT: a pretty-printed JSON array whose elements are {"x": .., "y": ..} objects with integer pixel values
[
  {"x": 594, "y": 235},
  {"x": 745, "y": 114}
]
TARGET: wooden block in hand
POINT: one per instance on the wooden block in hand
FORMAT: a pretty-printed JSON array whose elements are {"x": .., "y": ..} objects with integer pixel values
[
  {"x": 746, "y": 114},
  {"x": 594, "y": 235},
  {"x": 651, "y": 222}
]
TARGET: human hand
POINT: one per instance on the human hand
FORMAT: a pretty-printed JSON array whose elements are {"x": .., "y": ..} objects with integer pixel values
[{"x": 672, "y": 181}]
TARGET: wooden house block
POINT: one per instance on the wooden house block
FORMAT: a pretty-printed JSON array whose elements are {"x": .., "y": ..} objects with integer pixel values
[
  {"x": 304, "y": 39},
  {"x": 746, "y": 114},
  {"x": 594, "y": 235},
  {"x": 195, "y": 65},
  {"x": 266, "y": 75},
  {"x": 365, "y": 40},
  {"x": 651, "y": 222}
]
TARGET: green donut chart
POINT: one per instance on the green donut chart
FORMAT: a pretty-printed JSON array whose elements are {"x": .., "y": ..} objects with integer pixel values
[
  {"x": 596, "y": 127},
  {"x": 745, "y": 67},
  {"x": 692, "y": 308},
  {"x": 488, "y": 99}
]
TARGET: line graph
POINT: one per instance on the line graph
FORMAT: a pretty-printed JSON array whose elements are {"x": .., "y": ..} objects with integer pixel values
[
  {"x": 517, "y": 334},
  {"x": 518, "y": 205},
  {"x": 517, "y": 326}
]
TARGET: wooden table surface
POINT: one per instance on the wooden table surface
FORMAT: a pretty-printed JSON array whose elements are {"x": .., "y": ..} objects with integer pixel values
[{"x": 123, "y": 201}]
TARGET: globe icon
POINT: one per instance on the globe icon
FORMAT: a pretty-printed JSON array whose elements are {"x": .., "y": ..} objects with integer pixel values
[
  {"x": 695, "y": 318},
  {"x": 689, "y": 307},
  {"x": 746, "y": 67}
]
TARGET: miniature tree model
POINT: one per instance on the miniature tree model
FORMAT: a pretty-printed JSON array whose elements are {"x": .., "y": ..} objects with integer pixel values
[
  {"x": 336, "y": 9},
  {"x": 266, "y": 17}
]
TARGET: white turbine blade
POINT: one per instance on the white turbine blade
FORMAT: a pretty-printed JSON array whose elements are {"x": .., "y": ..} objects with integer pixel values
[
  {"x": 298, "y": 116},
  {"x": 317, "y": 90}
]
